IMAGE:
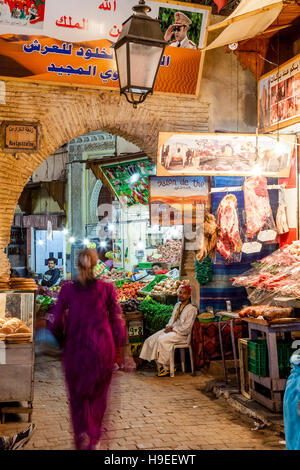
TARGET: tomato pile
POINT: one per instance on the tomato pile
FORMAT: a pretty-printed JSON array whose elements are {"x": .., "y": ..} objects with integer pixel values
[{"x": 129, "y": 291}]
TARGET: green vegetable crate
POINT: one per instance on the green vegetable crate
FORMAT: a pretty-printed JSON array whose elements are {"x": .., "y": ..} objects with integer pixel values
[
  {"x": 258, "y": 362},
  {"x": 145, "y": 265},
  {"x": 148, "y": 288}
]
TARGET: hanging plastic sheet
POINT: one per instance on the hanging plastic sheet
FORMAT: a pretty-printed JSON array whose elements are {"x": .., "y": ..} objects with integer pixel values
[{"x": 250, "y": 18}]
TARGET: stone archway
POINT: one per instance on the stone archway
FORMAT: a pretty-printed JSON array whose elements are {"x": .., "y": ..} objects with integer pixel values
[{"x": 67, "y": 112}]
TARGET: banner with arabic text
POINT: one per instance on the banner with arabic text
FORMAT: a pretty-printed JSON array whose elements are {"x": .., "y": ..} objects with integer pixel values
[{"x": 70, "y": 41}]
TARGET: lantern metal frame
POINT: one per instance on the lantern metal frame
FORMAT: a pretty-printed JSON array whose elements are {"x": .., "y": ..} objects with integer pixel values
[{"x": 131, "y": 34}]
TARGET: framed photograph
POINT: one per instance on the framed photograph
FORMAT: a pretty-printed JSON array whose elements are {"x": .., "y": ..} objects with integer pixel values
[
  {"x": 279, "y": 96},
  {"x": 207, "y": 154}
]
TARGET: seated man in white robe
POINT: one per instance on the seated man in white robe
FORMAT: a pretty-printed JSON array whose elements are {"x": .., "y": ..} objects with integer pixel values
[{"x": 158, "y": 346}]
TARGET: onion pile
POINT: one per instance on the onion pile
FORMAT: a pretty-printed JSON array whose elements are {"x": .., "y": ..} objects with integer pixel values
[{"x": 169, "y": 253}]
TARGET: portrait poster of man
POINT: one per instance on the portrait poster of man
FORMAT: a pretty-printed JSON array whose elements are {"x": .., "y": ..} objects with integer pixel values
[{"x": 181, "y": 28}]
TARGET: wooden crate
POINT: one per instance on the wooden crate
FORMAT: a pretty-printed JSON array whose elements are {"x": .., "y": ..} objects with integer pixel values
[{"x": 244, "y": 373}]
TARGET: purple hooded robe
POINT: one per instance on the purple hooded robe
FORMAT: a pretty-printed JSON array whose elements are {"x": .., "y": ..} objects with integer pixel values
[{"x": 89, "y": 322}]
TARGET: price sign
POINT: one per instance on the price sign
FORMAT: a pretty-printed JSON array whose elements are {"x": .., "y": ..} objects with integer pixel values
[
  {"x": 135, "y": 328},
  {"x": 267, "y": 235},
  {"x": 251, "y": 247}
]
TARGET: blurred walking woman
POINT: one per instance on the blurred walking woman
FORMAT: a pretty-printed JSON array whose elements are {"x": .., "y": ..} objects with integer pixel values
[{"x": 87, "y": 319}]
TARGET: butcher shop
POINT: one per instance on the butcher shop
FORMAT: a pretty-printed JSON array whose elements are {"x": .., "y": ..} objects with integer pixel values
[{"x": 235, "y": 199}]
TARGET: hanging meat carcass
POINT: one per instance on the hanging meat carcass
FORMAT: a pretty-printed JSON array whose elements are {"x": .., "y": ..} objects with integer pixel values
[
  {"x": 257, "y": 204},
  {"x": 229, "y": 237},
  {"x": 281, "y": 216},
  {"x": 209, "y": 238}
]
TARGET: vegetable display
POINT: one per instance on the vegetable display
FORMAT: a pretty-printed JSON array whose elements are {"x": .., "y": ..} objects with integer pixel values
[
  {"x": 152, "y": 284},
  {"x": 170, "y": 252},
  {"x": 156, "y": 316},
  {"x": 204, "y": 272},
  {"x": 129, "y": 291},
  {"x": 113, "y": 275},
  {"x": 168, "y": 287},
  {"x": 121, "y": 283},
  {"x": 130, "y": 305},
  {"x": 109, "y": 255},
  {"x": 45, "y": 302}
]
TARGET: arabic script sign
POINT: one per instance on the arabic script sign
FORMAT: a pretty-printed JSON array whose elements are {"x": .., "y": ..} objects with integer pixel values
[
  {"x": 71, "y": 42},
  {"x": 19, "y": 136},
  {"x": 176, "y": 200},
  {"x": 279, "y": 96}
]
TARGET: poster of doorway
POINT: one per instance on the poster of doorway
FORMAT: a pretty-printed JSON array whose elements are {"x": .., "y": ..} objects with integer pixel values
[{"x": 45, "y": 248}]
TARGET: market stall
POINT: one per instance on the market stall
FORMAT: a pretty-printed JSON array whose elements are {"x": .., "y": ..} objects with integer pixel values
[{"x": 17, "y": 315}]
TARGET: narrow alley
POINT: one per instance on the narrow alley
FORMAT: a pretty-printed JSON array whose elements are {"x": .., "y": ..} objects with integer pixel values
[{"x": 146, "y": 412}]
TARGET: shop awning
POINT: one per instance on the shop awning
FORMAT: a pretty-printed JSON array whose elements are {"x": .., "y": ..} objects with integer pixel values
[{"x": 249, "y": 19}]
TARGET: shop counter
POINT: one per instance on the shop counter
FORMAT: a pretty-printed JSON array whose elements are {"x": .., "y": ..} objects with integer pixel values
[{"x": 272, "y": 383}]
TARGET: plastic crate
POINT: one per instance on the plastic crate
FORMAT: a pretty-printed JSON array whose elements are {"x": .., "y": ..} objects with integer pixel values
[
  {"x": 258, "y": 357},
  {"x": 284, "y": 352},
  {"x": 145, "y": 265},
  {"x": 257, "y": 353}
]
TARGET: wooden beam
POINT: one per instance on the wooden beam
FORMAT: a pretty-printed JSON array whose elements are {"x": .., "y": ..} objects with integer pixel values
[
  {"x": 99, "y": 175},
  {"x": 112, "y": 160}
]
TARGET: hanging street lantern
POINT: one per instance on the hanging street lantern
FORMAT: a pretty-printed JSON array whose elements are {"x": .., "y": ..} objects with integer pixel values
[{"x": 139, "y": 52}]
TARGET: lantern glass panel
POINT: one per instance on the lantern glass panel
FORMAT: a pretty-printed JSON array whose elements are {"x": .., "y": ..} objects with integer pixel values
[
  {"x": 144, "y": 62},
  {"x": 121, "y": 54}
]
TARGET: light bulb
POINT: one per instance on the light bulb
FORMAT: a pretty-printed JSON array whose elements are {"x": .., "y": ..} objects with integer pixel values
[
  {"x": 103, "y": 244},
  {"x": 140, "y": 245},
  {"x": 71, "y": 239},
  {"x": 65, "y": 231},
  {"x": 111, "y": 227},
  {"x": 134, "y": 177},
  {"x": 279, "y": 148},
  {"x": 86, "y": 241}
]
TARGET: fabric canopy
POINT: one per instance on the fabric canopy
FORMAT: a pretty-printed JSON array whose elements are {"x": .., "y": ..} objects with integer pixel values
[{"x": 250, "y": 18}]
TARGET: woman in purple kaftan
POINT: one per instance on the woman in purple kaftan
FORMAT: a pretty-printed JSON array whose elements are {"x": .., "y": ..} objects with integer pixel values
[{"x": 88, "y": 319}]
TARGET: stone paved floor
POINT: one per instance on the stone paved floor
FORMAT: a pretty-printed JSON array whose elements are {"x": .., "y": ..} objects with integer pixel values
[{"x": 148, "y": 413}]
